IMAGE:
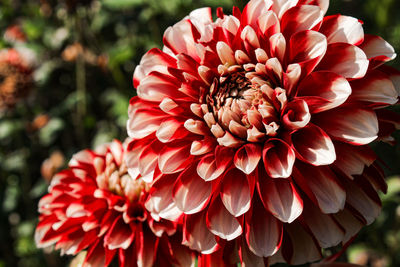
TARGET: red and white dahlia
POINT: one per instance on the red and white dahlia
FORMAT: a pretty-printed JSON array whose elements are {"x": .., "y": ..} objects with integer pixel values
[
  {"x": 95, "y": 205},
  {"x": 256, "y": 127}
]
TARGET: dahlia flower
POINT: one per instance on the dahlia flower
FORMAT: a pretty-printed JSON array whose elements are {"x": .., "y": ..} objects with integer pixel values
[
  {"x": 16, "y": 80},
  {"x": 256, "y": 127},
  {"x": 96, "y": 206}
]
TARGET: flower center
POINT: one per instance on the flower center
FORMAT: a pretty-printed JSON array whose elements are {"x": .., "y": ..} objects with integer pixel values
[
  {"x": 116, "y": 179},
  {"x": 242, "y": 106}
]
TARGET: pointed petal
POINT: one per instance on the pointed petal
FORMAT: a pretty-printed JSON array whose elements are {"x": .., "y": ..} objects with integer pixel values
[
  {"x": 153, "y": 60},
  {"x": 324, "y": 228},
  {"x": 298, "y": 246},
  {"x": 253, "y": 10},
  {"x": 160, "y": 202}
]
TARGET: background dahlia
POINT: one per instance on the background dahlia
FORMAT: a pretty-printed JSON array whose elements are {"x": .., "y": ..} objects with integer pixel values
[
  {"x": 16, "y": 79},
  {"x": 256, "y": 126},
  {"x": 96, "y": 206}
]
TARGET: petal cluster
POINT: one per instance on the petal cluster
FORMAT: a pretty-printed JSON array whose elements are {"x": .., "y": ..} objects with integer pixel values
[
  {"x": 95, "y": 205},
  {"x": 256, "y": 127}
]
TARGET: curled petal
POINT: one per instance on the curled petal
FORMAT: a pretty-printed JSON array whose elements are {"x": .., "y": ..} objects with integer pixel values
[
  {"x": 156, "y": 86},
  {"x": 170, "y": 130},
  {"x": 225, "y": 54},
  {"x": 323, "y": 4},
  {"x": 277, "y": 44},
  {"x": 160, "y": 203},
  {"x": 268, "y": 23},
  {"x": 174, "y": 157},
  {"x": 253, "y": 10},
  {"x": 153, "y": 60},
  {"x": 296, "y": 114},
  {"x": 209, "y": 169}
]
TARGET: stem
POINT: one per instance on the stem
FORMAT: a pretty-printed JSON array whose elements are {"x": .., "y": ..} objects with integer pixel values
[{"x": 80, "y": 73}]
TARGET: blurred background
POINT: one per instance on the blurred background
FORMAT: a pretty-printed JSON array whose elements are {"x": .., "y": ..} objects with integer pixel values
[{"x": 65, "y": 82}]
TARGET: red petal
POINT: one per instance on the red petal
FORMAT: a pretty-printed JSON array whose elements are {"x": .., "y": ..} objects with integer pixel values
[
  {"x": 253, "y": 10},
  {"x": 321, "y": 186},
  {"x": 280, "y": 197},
  {"x": 313, "y": 146},
  {"x": 296, "y": 114},
  {"x": 298, "y": 247},
  {"x": 324, "y": 228},
  {"x": 301, "y": 18},
  {"x": 307, "y": 48},
  {"x": 247, "y": 157},
  {"x": 342, "y": 29},
  {"x": 352, "y": 125},
  {"x": 120, "y": 235},
  {"x": 174, "y": 157},
  {"x": 196, "y": 234},
  {"x": 278, "y": 158},
  {"x": 376, "y": 87},
  {"x": 191, "y": 193},
  {"x": 378, "y": 51},
  {"x": 263, "y": 231},
  {"x": 153, "y": 60},
  {"x": 346, "y": 60},
  {"x": 330, "y": 87},
  {"x": 235, "y": 192},
  {"x": 221, "y": 222}
]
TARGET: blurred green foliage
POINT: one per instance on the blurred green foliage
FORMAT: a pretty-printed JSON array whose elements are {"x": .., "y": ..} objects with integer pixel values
[{"x": 83, "y": 101}]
